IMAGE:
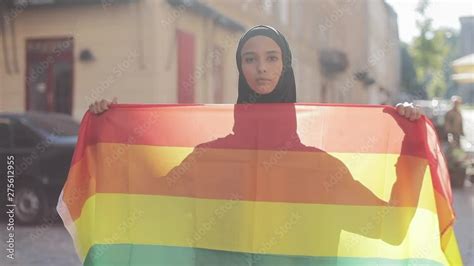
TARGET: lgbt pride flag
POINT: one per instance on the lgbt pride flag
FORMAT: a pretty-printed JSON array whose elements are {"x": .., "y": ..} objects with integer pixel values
[{"x": 258, "y": 184}]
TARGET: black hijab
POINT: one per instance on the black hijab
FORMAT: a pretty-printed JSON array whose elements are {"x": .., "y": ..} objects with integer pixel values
[{"x": 285, "y": 90}]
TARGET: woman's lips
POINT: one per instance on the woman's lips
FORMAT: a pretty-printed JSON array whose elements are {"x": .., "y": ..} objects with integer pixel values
[{"x": 263, "y": 80}]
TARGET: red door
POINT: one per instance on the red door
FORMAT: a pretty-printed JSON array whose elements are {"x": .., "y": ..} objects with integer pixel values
[
  {"x": 49, "y": 75},
  {"x": 186, "y": 80},
  {"x": 218, "y": 74}
]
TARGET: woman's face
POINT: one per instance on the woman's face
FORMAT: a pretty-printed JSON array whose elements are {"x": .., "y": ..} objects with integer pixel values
[{"x": 262, "y": 63}]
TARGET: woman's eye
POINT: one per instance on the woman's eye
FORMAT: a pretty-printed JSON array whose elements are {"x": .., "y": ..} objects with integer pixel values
[
  {"x": 249, "y": 60},
  {"x": 273, "y": 58}
]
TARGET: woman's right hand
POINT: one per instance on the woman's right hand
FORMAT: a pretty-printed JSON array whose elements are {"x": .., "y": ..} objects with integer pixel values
[{"x": 101, "y": 106}]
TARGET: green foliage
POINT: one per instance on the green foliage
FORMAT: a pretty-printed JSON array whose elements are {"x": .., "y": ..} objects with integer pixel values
[{"x": 432, "y": 52}]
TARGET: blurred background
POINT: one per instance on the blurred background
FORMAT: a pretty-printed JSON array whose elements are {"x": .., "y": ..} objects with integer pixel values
[{"x": 59, "y": 56}]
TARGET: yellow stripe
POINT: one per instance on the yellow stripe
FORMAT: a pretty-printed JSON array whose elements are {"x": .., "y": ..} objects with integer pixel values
[
  {"x": 450, "y": 247},
  {"x": 256, "y": 227}
]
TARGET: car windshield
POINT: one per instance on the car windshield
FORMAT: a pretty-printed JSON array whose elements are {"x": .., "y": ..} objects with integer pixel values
[{"x": 54, "y": 124}]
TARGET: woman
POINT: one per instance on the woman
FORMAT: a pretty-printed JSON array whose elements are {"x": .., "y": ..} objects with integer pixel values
[
  {"x": 266, "y": 76},
  {"x": 265, "y": 72}
]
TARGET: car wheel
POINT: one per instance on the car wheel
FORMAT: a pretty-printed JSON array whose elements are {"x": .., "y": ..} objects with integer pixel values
[{"x": 30, "y": 205}]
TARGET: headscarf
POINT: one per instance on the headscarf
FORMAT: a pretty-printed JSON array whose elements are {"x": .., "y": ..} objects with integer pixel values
[{"x": 285, "y": 90}]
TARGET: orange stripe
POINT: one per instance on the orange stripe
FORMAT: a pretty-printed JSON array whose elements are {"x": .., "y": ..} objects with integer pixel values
[{"x": 445, "y": 211}]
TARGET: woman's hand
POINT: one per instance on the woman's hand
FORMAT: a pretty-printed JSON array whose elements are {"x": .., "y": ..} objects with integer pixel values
[
  {"x": 409, "y": 110},
  {"x": 99, "y": 107}
]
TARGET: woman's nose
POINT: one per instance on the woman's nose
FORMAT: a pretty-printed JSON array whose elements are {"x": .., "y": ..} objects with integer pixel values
[{"x": 261, "y": 68}]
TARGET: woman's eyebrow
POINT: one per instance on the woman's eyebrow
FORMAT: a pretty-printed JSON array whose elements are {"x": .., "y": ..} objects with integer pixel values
[
  {"x": 267, "y": 52},
  {"x": 273, "y": 52},
  {"x": 248, "y": 53}
]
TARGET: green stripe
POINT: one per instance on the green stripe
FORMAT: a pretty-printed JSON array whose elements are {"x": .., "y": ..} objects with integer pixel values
[{"x": 154, "y": 255}]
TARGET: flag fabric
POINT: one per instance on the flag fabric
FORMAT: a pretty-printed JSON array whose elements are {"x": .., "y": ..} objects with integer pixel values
[{"x": 258, "y": 184}]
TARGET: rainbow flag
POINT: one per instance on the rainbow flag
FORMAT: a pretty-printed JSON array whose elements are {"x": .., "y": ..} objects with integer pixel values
[{"x": 258, "y": 184}]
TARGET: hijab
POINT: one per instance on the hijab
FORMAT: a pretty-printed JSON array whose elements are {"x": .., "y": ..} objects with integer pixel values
[{"x": 285, "y": 90}]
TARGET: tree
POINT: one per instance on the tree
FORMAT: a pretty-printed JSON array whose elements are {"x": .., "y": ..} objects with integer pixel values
[{"x": 432, "y": 51}]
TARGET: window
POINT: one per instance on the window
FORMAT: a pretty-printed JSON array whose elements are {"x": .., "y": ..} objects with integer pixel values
[{"x": 49, "y": 75}]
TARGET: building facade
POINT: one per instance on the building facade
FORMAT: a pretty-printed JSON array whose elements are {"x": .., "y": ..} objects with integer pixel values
[{"x": 60, "y": 55}]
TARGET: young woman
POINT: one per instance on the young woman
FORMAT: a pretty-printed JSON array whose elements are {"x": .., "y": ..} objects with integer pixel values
[{"x": 211, "y": 171}]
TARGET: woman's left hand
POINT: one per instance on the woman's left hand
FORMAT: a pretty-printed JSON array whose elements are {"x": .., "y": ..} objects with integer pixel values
[{"x": 409, "y": 110}]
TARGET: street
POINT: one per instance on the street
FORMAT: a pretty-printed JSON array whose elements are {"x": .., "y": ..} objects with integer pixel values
[
  {"x": 464, "y": 208},
  {"x": 48, "y": 244}
]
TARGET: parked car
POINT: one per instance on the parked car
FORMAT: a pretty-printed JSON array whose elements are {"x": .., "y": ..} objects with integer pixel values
[{"x": 41, "y": 145}]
